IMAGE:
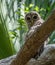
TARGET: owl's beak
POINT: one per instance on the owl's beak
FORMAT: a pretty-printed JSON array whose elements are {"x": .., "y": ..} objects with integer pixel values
[{"x": 32, "y": 21}]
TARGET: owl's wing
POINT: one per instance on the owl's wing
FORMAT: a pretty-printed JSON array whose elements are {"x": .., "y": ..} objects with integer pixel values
[{"x": 32, "y": 29}]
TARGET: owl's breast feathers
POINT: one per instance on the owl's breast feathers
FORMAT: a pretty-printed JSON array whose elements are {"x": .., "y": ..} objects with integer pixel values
[{"x": 35, "y": 26}]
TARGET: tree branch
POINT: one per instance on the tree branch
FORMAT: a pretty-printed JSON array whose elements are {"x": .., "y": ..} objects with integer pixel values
[{"x": 46, "y": 58}]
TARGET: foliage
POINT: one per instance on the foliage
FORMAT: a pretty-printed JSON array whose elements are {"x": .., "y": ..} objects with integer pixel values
[{"x": 6, "y": 46}]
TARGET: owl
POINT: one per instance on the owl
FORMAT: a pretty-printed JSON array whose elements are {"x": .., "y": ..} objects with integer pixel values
[{"x": 33, "y": 19}]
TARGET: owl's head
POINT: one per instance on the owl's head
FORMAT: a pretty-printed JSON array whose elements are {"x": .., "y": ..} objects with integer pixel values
[{"x": 31, "y": 18}]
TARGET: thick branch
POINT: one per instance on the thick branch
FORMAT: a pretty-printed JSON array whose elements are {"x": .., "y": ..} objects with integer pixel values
[
  {"x": 35, "y": 40},
  {"x": 46, "y": 58}
]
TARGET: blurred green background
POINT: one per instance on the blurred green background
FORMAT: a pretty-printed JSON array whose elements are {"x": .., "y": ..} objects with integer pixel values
[{"x": 13, "y": 27}]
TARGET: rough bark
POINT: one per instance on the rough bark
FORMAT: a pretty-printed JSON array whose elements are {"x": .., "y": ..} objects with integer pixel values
[
  {"x": 46, "y": 58},
  {"x": 7, "y": 61},
  {"x": 34, "y": 41}
]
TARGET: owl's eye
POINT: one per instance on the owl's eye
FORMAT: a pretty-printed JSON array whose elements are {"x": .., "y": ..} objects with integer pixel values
[
  {"x": 35, "y": 17},
  {"x": 28, "y": 18}
]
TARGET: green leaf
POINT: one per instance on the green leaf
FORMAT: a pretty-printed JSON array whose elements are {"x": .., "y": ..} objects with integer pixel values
[
  {"x": 42, "y": 9},
  {"x": 6, "y": 46},
  {"x": 31, "y": 5},
  {"x": 36, "y": 8}
]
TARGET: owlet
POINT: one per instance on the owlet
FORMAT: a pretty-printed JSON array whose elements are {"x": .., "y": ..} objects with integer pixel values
[{"x": 33, "y": 19}]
